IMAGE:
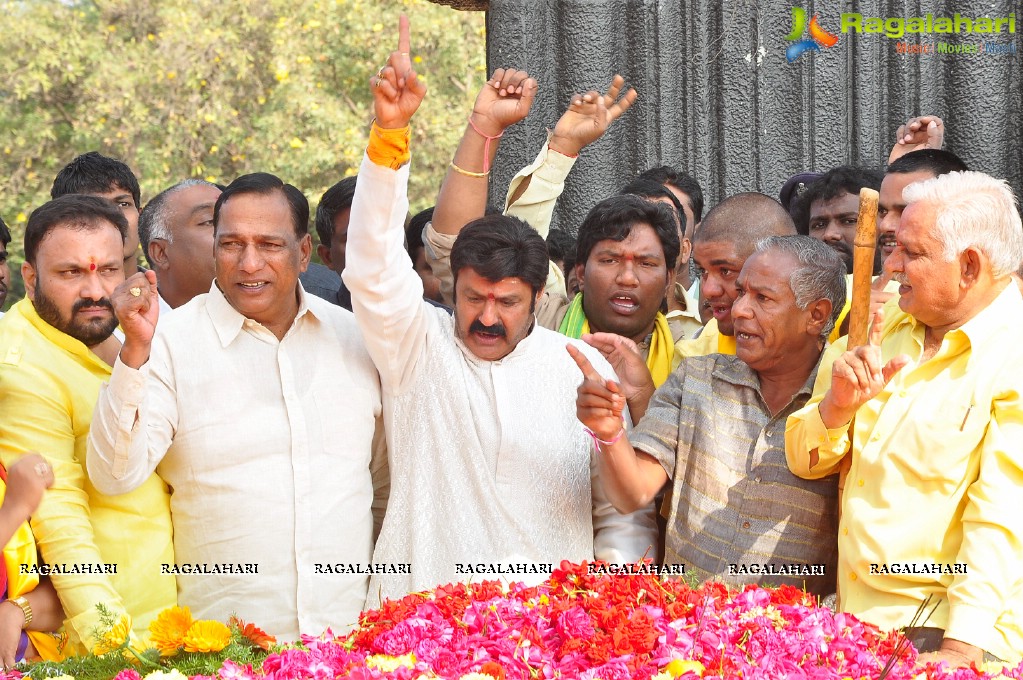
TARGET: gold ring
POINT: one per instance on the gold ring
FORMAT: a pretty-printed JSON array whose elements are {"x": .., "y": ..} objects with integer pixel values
[
  {"x": 42, "y": 469},
  {"x": 135, "y": 291}
]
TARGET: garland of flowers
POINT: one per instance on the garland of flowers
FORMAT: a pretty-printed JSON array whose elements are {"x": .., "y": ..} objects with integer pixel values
[{"x": 575, "y": 625}]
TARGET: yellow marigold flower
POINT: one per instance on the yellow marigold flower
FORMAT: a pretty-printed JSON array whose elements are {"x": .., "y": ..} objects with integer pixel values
[
  {"x": 207, "y": 636},
  {"x": 388, "y": 664},
  {"x": 113, "y": 638},
  {"x": 167, "y": 631},
  {"x": 677, "y": 667}
]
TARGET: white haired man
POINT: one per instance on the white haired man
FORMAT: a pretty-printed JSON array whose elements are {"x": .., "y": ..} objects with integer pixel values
[{"x": 931, "y": 506}]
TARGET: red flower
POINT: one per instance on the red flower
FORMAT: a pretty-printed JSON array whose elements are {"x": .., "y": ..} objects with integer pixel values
[{"x": 493, "y": 669}]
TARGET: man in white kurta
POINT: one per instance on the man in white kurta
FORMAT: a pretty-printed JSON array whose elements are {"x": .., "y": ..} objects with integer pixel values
[
  {"x": 490, "y": 469},
  {"x": 271, "y": 447}
]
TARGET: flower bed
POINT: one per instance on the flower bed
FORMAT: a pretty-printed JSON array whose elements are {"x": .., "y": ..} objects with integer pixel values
[{"x": 576, "y": 625}]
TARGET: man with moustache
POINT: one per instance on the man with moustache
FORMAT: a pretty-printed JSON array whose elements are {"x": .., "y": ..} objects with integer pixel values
[
  {"x": 253, "y": 396},
  {"x": 931, "y": 414},
  {"x": 58, "y": 349},
  {"x": 915, "y": 166},
  {"x": 488, "y": 463},
  {"x": 176, "y": 231}
]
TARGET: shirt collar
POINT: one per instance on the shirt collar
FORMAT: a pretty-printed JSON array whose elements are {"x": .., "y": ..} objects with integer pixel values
[
  {"x": 228, "y": 321},
  {"x": 57, "y": 337},
  {"x": 985, "y": 328},
  {"x": 735, "y": 371}
]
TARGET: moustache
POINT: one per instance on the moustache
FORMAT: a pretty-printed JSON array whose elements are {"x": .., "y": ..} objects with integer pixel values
[
  {"x": 900, "y": 278},
  {"x": 89, "y": 302},
  {"x": 497, "y": 329}
]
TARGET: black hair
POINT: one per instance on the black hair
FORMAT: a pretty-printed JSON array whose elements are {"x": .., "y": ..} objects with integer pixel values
[
  {"x": 649, "y": 189},
  {"x": 335, "y": 199},
  {"x": 937, "y": 161},
  {"x": 684, "y": 182},
  {"x": 560, "y": 245},
  {"x": 613, "y": 219},
  {"x": 500, "y": 247},
  {"x": 5, "y": 233},
  {"x": 845, "y": 179},
  {"x": 414, "y": 231},
  {"x": 264, "y": 183},
  {"x": 94, "y": 173},
  {"x": 72, "y": 211}
]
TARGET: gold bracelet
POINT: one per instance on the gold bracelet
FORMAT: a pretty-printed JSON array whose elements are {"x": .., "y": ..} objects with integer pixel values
[
  {"x": 25, "y": 607},
  {"x": 468, "y": 173}
]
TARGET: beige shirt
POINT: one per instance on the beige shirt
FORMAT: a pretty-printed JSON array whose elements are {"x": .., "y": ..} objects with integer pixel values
[{"x": 267, "y": 446}]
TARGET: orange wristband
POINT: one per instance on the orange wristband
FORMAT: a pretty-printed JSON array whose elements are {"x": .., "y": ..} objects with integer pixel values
[{"x": 389, "y": 147}]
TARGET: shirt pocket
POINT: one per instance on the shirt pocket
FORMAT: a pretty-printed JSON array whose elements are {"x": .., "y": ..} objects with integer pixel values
[{"x": 938, "y": 438}]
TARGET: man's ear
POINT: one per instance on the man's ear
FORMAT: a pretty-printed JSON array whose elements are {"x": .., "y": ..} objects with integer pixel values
[
  {"x": 305, "y": 247},
  {"x": 158, "y": 254},
  {"x": 971, "y": 264},
  {"x": 324, "y": 253},
  {"x": 28, "y": 275},
  {"x": 820, "y": 313},
  {"x": 580, "y": 269}
]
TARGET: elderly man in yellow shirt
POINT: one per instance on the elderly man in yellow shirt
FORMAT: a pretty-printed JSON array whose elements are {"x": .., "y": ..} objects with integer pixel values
[
  {"x": 931, "y": 507},
  {"x": 58, "y": 348}
]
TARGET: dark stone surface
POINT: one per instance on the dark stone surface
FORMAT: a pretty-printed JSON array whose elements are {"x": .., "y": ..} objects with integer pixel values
[{"x": 719, "y": 100}]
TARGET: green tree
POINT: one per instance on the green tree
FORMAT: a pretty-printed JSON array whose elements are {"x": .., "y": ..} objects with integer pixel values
[{"x": 214, "y": 89}]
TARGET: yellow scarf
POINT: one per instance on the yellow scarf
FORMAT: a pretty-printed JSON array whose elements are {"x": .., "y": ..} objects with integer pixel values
[{"x": 662, "y": 346}]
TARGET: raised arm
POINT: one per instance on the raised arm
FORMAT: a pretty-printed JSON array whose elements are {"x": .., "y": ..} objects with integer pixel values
[
  {"x": 504, "y": 100},
  {"x": 922, "y": 132},
  {"x": 126, "y": 442},
  {"x": 387, "y": 294},
  {"x": 534, "y": 191}
]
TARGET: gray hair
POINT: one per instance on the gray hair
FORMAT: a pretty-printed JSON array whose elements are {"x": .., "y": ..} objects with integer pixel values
[
  {"x": 820, "y": 274},
  {"x": 153, "y": 218},
  {"x": 973, "y": 210}
]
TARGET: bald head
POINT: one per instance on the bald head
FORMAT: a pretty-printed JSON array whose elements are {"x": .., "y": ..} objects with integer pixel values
[
  {"x": 744, "y": 219},
  {"x": 726, "y": 237}
]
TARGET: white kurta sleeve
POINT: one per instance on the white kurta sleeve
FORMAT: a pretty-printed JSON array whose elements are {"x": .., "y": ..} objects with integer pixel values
[{"x": 387, "y": 294}]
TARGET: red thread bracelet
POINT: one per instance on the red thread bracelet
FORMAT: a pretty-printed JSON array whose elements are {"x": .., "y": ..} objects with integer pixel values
[{"x": 486, "y": 146}]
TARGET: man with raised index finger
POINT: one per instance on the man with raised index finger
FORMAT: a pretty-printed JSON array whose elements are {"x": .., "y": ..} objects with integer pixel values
[
  {"x": 930, "y": 511},
  {"x": 489, "y": 467}
]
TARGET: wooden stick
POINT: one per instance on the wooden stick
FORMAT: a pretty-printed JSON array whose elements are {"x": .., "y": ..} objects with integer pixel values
[{"x": 863, "y": 267}]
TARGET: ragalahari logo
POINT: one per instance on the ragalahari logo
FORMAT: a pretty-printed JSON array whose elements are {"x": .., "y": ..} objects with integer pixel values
[{"x": 818, "y": 36}]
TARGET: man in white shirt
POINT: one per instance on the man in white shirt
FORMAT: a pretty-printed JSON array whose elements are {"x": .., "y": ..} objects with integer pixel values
[
  {"x": 492, "y": 474},
  {"x": 259, "y": 405}
]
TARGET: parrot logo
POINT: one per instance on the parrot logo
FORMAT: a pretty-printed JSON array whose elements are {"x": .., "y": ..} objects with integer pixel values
[{"x": 818, "y": 36}]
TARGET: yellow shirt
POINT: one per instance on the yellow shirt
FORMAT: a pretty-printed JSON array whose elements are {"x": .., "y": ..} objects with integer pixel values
[
  {"x": 711, "y": 341},
  {"x": 937, "y": 469},
  {"x": 48, "y": 386}
]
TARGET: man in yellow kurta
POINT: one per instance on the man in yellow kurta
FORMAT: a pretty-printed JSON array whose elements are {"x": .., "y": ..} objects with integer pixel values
[
  {"x": 56, "y": 348},
  {"x": 931, "y": 505}
]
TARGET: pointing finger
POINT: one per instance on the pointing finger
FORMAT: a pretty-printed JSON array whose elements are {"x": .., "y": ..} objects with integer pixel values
[{"x": 584, "y": 364}]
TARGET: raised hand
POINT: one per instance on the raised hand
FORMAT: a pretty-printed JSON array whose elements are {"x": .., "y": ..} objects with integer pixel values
[
  {"x": 27, "y": 479},
  {"x": 599, "y": 403},
  {"x": 637, "y": 385},
  {"x": 397, "y": 91},
  {"x": 858, "y": 376},
  {"x": 589, "y": 116},
  {"x": 922, "y": 132},
  {"x": 137, "y": 307},
  {"x": 504, "y": 100}
]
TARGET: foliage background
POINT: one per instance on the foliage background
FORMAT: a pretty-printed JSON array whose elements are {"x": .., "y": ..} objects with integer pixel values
[{"x": 215, "y": 89}]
